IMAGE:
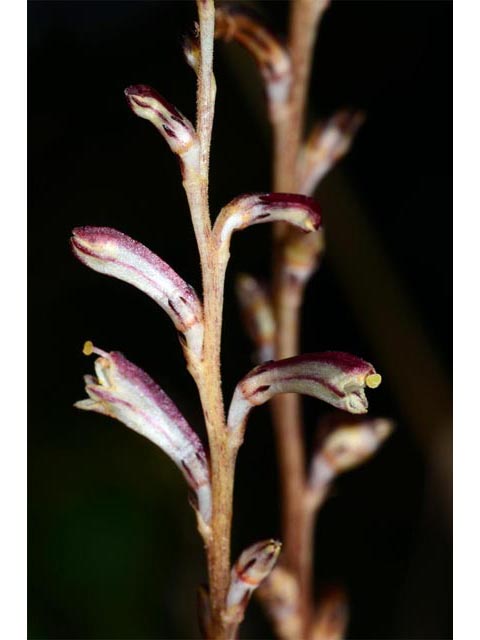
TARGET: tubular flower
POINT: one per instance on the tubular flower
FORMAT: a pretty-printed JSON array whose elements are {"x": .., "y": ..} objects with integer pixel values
[
  {"x": 271, "y": 56},
  {"x": 257, "y": 314},
  {"x": 343, "y": 444},
  {"x": 123, "y": 391},
  {"x": 334, "y": 377},
  {"x": 251, "y": 568},
  {"x": 117, "y": 255},
  {"x": 177, "y": 130},
  {"x": 327, "y": 145},
  {"x": 246, "y": 210}
]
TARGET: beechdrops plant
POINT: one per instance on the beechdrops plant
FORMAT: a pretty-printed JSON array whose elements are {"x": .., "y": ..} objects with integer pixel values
[{"x": 123, "y": 391}]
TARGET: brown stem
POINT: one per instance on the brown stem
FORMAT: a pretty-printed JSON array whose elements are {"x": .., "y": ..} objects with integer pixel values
[
  {"x": 287, "y": 415},
  {"x": 222, "y": 463},
  {"x": 208, "y": 375},
  {"x": 311, "y": 508}
]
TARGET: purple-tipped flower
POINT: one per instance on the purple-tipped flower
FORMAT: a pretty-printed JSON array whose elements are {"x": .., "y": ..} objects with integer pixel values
[
  {"x": 251, "y": 568},
  {"x": 125, "y": 392},
  {"x": 246, "y": 210},
  {"x": 271, "y": 56},
  {"x": 326, "y": 145},
  {"x": 337, "y": 378},
  {"x": 115, "y": 254},
  {"x": 344, "y": 443},
  {"x": 177, "y": 130},
  {"x": 257, "y": 314}
]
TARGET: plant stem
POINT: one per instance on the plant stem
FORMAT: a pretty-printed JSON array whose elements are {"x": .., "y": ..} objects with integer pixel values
[
  {"x": 287, "y": 415},
  {"x": 222, "y": 463},
  {"x": 208, "y": 377}
]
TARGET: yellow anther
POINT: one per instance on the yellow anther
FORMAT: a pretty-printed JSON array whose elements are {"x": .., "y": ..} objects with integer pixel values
[
  {"x": 88, "y": 348},
  {"x": 373, "y": 380}
]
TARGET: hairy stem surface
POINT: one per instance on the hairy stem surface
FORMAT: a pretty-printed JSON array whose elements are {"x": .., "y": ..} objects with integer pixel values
[{"x": 208, "y": 376}]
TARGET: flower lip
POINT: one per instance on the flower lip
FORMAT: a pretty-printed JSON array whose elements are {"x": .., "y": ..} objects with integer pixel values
[
  {"x": 135, "y": 376},
  {"x": 126, "y": 393}
]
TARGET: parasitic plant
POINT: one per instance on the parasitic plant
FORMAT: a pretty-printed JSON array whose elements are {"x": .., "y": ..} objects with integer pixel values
[{"x": 121, "y": 390}]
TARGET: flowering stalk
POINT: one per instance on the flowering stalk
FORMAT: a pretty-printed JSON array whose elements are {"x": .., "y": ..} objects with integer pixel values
[
  {"x": 123, "y": 391},
  {"x": 298, "y": 166}
]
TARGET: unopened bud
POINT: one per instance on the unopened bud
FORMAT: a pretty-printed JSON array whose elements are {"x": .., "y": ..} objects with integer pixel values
[
  {"x": 258, "y": 316},
  {"x": 326, "y": 145},
  {"x": 177, "y": 130},
  {"x": 251, "y": 568}
]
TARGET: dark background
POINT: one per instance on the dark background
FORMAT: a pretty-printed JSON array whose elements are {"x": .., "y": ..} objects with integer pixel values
[{"x": 113, "y": 551}]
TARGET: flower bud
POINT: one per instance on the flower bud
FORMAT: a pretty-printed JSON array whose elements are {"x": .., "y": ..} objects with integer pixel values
[
  {"x": 326, "y": 145},
  {"x": 344, "y": 443},
  {"x": 271, "y": 56},
  {"x": 251, "y": 568},
  {"x": 125, "y": 392},
  {"x": 257, "y": 314},
  {"x": 280, "y": 598},
  {"x": 117, "y": 255},
  {"x": 334, "y": 377},
  {"x": 177, "y": 130},
  {"x": 299, "y": 259},
  {"x": 191, "y": 51}
]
